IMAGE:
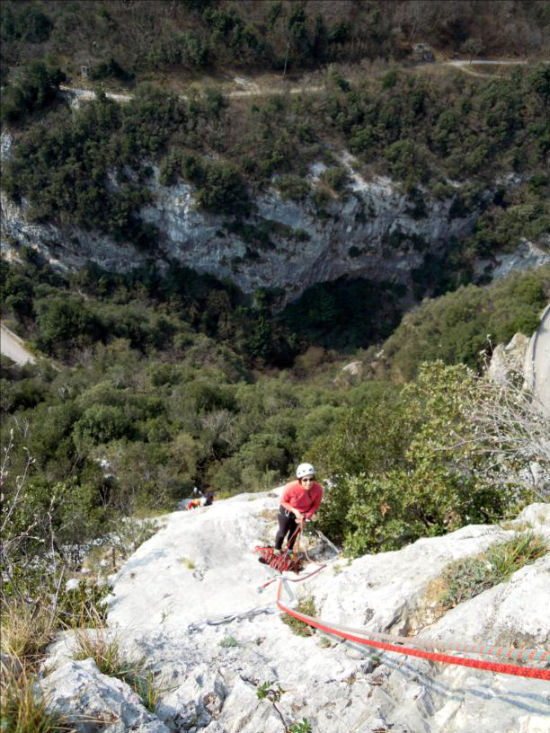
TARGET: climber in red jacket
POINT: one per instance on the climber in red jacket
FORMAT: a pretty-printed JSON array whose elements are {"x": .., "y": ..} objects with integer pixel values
[{"x": 299, "y": 501}]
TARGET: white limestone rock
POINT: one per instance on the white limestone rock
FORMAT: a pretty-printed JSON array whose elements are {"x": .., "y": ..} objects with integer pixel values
[
  {"x": 197, "y": 701},
  {"x": 508, "y": 359},
  {"x": 535, "y": 516},
  {"x": 95, "y": 702},
  {"x": 211, "y": 642},
  {"x": 391, "y": 587}
]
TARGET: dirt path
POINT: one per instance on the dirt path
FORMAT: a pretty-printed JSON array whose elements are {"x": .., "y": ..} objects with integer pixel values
[
  {"x": 468, "y": 67},
  {"x": 250, "y": 88}
]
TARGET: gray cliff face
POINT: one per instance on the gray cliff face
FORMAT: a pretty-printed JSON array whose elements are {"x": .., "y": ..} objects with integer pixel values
[
  {"x": 355, "y": 239},
  {"x": 370, "y": 233},
  {"x": 373, "y": 231}
]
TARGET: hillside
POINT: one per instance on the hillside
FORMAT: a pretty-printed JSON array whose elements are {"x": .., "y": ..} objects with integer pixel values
[
  {"x": 237, "y": 236},
  {"x": 412, "y": 178},
  {"x": 132, "y": 39}
]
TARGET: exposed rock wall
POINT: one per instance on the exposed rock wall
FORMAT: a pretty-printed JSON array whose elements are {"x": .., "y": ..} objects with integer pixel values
[
  {"x": 373, "y": 231},
  {"x": 190, "y": 602}
]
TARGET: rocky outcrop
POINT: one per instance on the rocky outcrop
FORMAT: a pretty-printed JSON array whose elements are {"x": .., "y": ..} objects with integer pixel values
[
  {"x": 97, "y": 702},
  {"x": 508, "y": 359},
  {"x": 373, "y": 231},
  {"x": 192, "y": 602}
]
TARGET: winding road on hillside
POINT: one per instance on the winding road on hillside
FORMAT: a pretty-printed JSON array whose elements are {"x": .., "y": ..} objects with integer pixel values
[{"x": 252, "y": 89}]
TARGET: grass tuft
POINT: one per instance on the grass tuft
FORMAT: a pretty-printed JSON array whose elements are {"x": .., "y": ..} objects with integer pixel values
[
  {"x": 466, "y": 578},
  {"x": 109, "y": 659},
  {"x": 22, "y": 710},
  {"x": 228, "y": 642},
  {"x": 307, "y": 607},
  {"x": 25, "y": 631}
]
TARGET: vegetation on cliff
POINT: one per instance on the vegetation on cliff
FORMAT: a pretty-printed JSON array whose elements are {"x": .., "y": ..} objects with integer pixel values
[
  {"x": 93, "y": 168},
  {"x": 127, "y": 40},
  {"x": 158, "y": 385}
]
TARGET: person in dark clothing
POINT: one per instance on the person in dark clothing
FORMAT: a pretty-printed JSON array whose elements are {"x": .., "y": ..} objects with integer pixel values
[{"x": 299, "y": 501}]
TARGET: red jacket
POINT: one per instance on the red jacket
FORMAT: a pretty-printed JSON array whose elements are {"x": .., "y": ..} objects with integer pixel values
[{"x": 306, "y": 501}]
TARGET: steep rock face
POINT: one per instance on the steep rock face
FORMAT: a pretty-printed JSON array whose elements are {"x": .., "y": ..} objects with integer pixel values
[
  {"x": 194, "y": 602},
  {"x": 373, "y": 231},
  {"x": 372, "y": 234}
]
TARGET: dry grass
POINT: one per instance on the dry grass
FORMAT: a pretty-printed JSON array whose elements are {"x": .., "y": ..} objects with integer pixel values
[
  {"x": 22, "y": 711},
  {"x": 106, "y": 652},
  {"x": 25, "y": 632},
  {"x": 466, "y": 578}
]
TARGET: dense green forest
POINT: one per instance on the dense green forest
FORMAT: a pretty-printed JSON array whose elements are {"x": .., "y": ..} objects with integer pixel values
[
  {"x": 124, "y": 40},
  {"x": 157, "y": 384},
  {"x": 421, "y": 131}
]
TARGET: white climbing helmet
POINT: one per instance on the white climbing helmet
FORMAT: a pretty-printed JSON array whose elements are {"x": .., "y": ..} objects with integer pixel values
[{"x": 305, "y": 469}]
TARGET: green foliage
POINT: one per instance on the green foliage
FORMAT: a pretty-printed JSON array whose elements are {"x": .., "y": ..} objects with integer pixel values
[
  {"x": 222, "y": 189},
  {"x": 228, "y": 642},
  {"x": 405, "y": 468},
  {"x": 462, "y": 326},
  {"x": 101, "y": 424},
  {"x": 466, "y": 578},
  {"x": 303, "y": 726},
  {"x": 344, "y": 314},
  {"x": 37, "y": 90},
  {"x": 108, "y": 69},
  {"x": 64, "y": 325},
  {"x": 292, "y": 187},
  {"x": 514, "y": 215},
  {"x": 191, "y": 35},
  {"x": 92, "y": 168},
  {"x": 28, "y": 24},
  {"x": 267, "y": 691},
  {"x": 336, "y": 177},
  {"x": 305, "y": 606}
]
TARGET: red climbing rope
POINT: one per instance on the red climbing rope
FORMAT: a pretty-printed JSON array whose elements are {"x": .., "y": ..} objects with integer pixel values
[
  {"x": 512, "y": 669},
  {"x": 423, "y": 648}
]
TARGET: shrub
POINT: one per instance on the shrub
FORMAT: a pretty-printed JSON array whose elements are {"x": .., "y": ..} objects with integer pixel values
[
  {"x": 456, "y": 326},
  {"x": 336, "y": 177},
  {"x": 222, "y": 189},
  {"x": 292, "y": 187},
  {"x": 421, "y": 466},
  {"x": 466, "y": 578},
  {"x": 37, "y": 90}
]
